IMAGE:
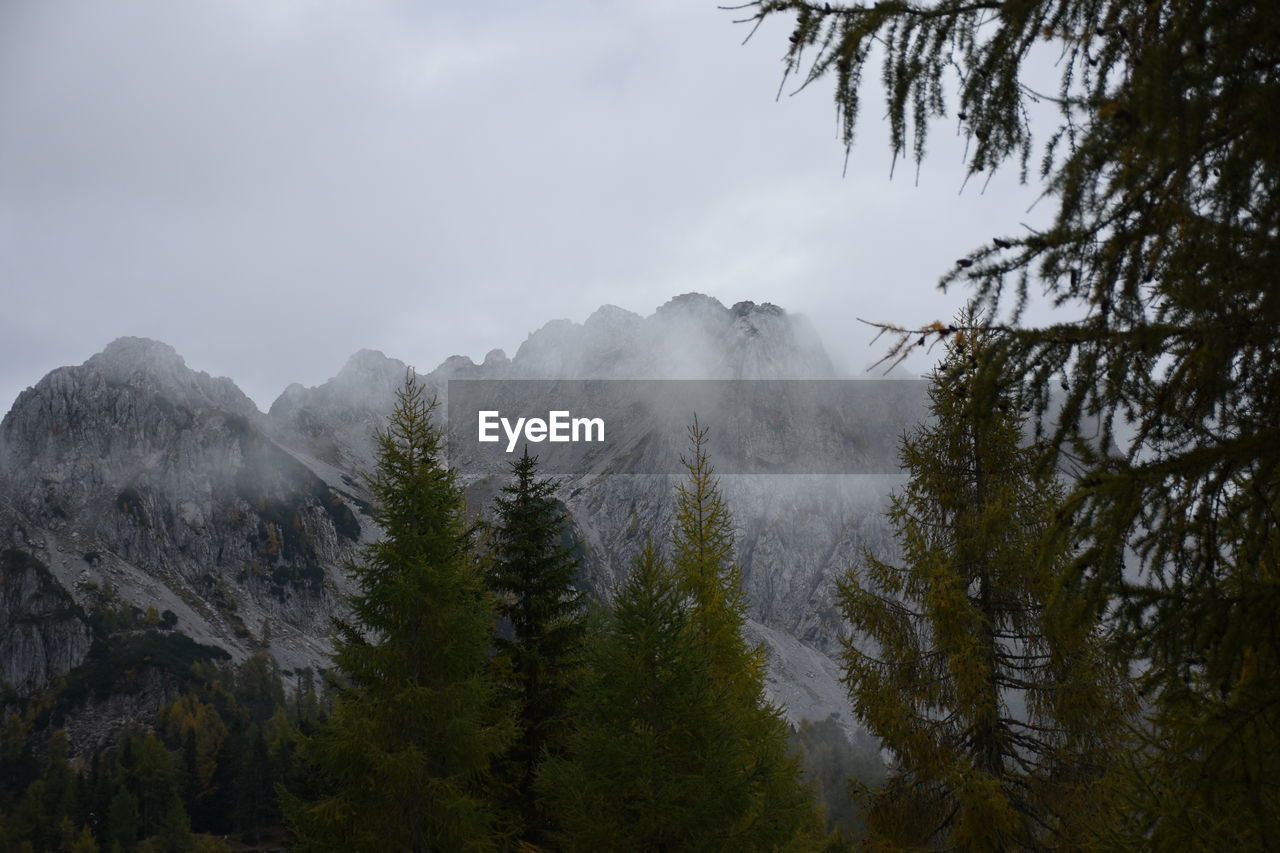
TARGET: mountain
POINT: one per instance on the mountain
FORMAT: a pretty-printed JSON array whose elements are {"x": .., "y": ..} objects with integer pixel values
[
  {"x": 134, "y": 478},
  {"x": 134, "y": 484}
]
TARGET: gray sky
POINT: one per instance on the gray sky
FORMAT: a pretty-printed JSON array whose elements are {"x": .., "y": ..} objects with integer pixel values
[{"x": 270, "y": 185}]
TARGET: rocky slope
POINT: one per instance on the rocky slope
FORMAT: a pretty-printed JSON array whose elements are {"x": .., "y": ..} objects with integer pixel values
[
  {"x": 132, "y": 480},
  {"x": 43, "y": 633},
  {"x": 134, "y": 477}
]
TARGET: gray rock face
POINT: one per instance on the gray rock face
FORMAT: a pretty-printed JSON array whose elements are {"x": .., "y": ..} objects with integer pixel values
[
  {"x": 690, "y": 337},
  {"x": 96, "y": 724},
  {"x": 334, "y": 422},
  {"x": 43, "y": 633},
  {"x": 136, "y": 472},
  {"x": 169, "y": 486}
]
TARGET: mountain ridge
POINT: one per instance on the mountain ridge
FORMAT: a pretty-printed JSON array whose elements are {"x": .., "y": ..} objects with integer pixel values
[{"x": 134, "y": 473}]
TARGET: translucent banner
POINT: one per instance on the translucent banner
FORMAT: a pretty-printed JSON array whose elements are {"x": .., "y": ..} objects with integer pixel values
[{"x": 581, "y": 427}]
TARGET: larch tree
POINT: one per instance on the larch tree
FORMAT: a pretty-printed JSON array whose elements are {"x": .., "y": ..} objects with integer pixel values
[
  {"x": 1000, "y": 711},
  {"x": 405, "y": 757},
  {"x": 533, "y": 574},
  {"x": 771, "y": 803},
  {"x": 646, "y": 768},
  {"x": 674, "y": 745},
  {"x": 1164, "y": 169}
]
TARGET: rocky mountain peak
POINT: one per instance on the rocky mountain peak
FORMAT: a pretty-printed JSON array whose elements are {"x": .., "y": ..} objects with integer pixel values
[
  {"x": 77, "y": 419},
  {"x": 367, "y": 380},
  {"x": 149, "y": 366},
  {"x": 370, "y": 364},
  {"x": 334, "y": 422},
  {"x": 457, "y": 367},
  {"x": 747, "y": 308},
  {"x": 613, "y": 317},
  {"x": 496, "y": 360},
  {"x": 126, "y": 353},
  {"x": 695, "y": 305},
  {"x": 692, "y": 336},
  {"x": 134, "y": 473}
]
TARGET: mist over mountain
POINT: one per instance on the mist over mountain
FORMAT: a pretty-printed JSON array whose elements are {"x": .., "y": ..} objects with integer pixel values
[
  {"x": 690, "y": 337},
  {"x": 134, "y": 481},
  {"x": 135, "y": 478}
]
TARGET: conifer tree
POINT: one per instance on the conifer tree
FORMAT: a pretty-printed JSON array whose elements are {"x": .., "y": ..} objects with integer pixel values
[
  {"x": 1000, "y": 712},
  {"x": 122, "y": 821},
  {"x": 702, "y": 551},
  {"x": 646, "y": 768},
  {"x": 416, "y": 721},
  {"x": 1164, "y": 169},
  {"x": 770, "y": 802},
  {"x": 532, "y": 573}
]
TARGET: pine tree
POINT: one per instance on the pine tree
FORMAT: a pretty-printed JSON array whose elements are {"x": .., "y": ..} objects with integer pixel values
[
  {"x": 122, "y": 821},
  {"x": 1164, "y": 168},
  {"x": 416, "y": 721},
  {"x": 533, "y": 572},
  {"x": 646, "y": 768},
  {"x": 1000, "y": 710},
  {"x": 152, "y": 778},
  {"x": 770, "y": 802},
  {"x": 48, "y": 801}
]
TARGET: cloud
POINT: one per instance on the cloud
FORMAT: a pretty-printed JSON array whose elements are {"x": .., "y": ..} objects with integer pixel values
[{"x": 271, "y": 186}]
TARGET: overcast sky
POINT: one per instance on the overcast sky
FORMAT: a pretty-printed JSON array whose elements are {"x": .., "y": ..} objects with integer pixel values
[{"x": 270, "y": 185}]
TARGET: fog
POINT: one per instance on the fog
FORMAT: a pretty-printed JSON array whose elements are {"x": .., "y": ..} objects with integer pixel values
[{"x": 271, "y": 187}]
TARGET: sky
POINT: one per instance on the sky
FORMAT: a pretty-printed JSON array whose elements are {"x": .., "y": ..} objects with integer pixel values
[{"x": 272, "y": 185}]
